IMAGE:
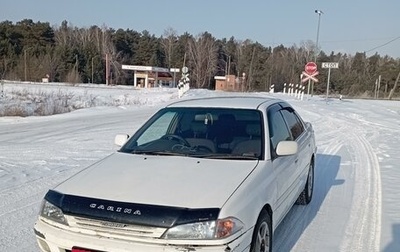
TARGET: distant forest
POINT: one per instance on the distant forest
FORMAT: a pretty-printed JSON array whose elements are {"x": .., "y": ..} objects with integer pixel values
[{"x": 31, "y": 50}]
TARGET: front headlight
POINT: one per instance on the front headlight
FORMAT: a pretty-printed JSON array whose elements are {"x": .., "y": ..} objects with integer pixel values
[
  {"x": 51, "y": 212},
  {"x": 206, "y": 230}
]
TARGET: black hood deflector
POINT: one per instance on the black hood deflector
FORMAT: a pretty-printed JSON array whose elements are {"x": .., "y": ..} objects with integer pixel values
[{"x": 132, "y": 213}]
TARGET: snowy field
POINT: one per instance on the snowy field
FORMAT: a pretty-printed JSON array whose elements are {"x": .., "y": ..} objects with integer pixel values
[{"x": 356, "y": 204}]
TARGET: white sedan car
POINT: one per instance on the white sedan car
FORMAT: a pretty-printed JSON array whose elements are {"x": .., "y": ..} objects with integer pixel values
[{"x": 209, "y": 174}]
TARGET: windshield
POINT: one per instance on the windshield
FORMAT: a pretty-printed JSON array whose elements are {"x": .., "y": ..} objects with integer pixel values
[{"x": 200, "y": 132}]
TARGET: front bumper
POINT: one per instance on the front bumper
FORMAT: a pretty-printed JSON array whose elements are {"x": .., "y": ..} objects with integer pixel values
[{"x": 54, "y": 239}]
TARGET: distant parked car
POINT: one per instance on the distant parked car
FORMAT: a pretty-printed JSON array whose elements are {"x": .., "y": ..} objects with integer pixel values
[{"x": 209, "y": 174}]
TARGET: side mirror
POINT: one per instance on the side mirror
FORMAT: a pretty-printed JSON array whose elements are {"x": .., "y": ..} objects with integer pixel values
[
  {"x": 286, "y": 148},
  {"x": 121, "y": 139},
  {"x": 308, "y": 125}
]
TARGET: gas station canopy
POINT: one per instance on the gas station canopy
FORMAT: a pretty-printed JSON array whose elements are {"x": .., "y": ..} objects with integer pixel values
[{"x": 143, "y": 72}]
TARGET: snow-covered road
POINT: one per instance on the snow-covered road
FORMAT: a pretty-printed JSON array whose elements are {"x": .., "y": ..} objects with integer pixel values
[{"x": 356, "y": 202}]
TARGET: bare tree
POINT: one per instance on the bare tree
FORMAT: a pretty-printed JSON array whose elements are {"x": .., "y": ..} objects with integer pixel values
[
  {"x": 63, "y": 34},
  {"x": 203, "y": 58},
  {"x": 44, "y": 65},
  {"x": 168, "y": 44},
  {"x": 309, "y": 49},
  {"x": 243, "y": 54},
  {"x": 110, "y": 53}
]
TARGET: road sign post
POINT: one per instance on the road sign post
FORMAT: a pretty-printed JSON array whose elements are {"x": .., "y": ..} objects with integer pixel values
[
  {"x": 329, "y": 65},
  {"x": 310, "y": 68},
  {"x": 183, "y": 85}
]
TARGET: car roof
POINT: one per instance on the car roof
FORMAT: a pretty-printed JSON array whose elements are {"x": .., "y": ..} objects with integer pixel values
[{"x": 240, "y": 102}]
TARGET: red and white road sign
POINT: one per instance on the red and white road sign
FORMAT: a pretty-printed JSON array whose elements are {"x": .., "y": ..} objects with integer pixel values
[
  {"x": 310, "y": 68},
  {"x": 310, "y": 76}
]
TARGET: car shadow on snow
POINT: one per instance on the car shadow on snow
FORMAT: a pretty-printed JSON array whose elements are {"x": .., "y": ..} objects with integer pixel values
[
  {"x": 299, "y": 217},
  {"x": 394, "y": 245}
]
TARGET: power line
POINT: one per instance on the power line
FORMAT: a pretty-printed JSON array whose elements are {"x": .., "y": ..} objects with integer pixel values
[
  {"x": 383, "y": 44},
  {"x": 274, "y": 43},
  {"x": 354, "y": 40}
]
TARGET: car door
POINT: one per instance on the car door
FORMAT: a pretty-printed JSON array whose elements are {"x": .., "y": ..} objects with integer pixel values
[
  {"x": 283, "y": 166},
  {"x": 303, "y": 156}
]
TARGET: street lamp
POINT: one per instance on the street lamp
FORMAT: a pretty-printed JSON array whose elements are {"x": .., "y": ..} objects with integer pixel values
[{"x": 319, "y": 12}]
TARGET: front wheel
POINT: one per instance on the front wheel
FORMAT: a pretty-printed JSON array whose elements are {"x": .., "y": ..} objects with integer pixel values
[
  {"x": 306, "y": 195},
  {"x": 262, "y": 236}
]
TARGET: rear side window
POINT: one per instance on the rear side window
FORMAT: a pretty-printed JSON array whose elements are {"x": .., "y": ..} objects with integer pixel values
[{"x": 294, "y": 123}]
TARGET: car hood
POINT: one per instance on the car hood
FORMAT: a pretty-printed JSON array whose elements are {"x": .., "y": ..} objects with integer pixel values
[{"x": 160, "y": 180}]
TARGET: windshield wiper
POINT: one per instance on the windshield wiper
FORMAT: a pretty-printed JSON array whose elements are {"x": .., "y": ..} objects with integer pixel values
[
  {"x": 196, "y": 155},
  {"x": 157, "y": 153},
  {"x": 224, "y": 156}
]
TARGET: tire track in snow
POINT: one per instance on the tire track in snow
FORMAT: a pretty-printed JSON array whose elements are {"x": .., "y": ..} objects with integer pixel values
[
  {"x": 21, "y": 195},
  {"x": 363, "y": 230},
  {"x": 23, "y": 201}
]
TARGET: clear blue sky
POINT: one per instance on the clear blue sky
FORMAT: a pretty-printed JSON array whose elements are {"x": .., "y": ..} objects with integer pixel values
[{"x": 346, "y": 26}]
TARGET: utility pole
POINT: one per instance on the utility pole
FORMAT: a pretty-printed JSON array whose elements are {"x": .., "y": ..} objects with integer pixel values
[
  {"x": 107, "y": 69},
  {"x": 229, "y": 64},
  {"x": 92, "y": 69},
  {"x": 25, "y": 63},
  {"x": 379, "y": 86}
]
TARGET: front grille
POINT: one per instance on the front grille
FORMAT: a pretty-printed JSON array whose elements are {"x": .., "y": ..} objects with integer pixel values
[{"x": 114, "y": 229}]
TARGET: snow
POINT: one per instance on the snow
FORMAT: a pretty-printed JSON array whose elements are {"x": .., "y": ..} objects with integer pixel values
[{"x": 356, "y": 206}]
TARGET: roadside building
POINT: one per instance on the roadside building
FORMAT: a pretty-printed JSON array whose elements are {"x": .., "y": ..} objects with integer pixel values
[
  {"x": 230, "y": 83},
  {"x": 150, "y": 76}
]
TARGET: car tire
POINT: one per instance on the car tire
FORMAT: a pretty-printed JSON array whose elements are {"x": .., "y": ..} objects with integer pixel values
[
  {"x": 262, "y": 235},
  {"x": 306, "y": 195}
]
